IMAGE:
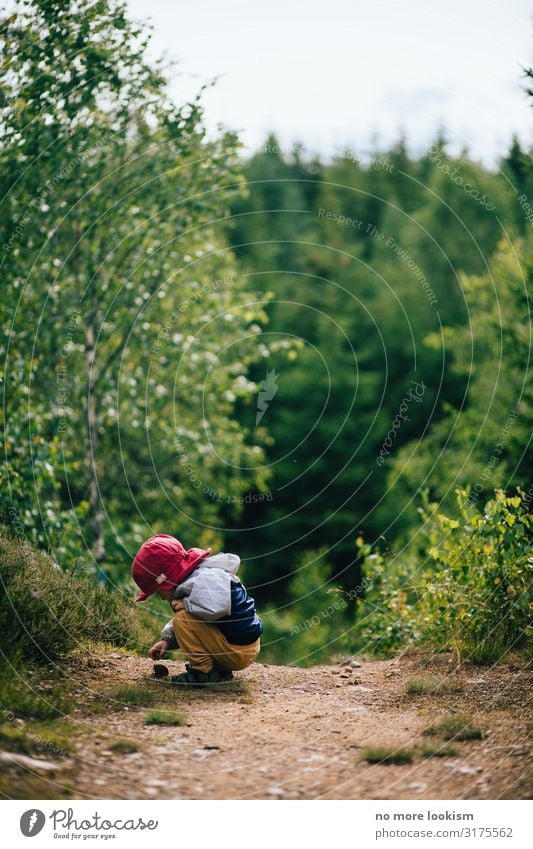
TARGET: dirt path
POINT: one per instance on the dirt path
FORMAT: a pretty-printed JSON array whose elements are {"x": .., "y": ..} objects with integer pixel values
[{"x": 288, "y": 733}]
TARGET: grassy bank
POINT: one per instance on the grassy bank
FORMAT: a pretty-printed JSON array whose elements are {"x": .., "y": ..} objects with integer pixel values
[{"x": 46, "y": 613}]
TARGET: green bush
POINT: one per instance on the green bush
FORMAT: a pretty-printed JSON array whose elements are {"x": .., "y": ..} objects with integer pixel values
[
  {"x": 467, "y": 588},
  {"x": 45, "y": 613}
]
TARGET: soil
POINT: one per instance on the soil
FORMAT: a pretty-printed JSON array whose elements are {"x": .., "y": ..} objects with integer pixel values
[{"x": 291, "y": 733}]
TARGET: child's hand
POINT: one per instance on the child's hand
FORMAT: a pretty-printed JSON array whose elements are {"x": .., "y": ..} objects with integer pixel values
[
  {"x": 158, "y": 650},
  {"x": 177, "y": 604}
]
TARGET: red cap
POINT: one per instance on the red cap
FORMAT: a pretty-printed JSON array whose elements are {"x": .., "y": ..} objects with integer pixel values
[{"x": 162, "y": 562}]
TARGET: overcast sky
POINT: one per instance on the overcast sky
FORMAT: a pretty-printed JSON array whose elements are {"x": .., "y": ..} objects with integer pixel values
[{"x": 333, "y": 74}]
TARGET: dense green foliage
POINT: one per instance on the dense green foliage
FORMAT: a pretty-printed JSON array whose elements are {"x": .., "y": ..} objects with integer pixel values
[
  {"x": 462, "y": 584},
  {"x": 486, "y": 442},
  {"x": 466, "y": 586},
  {"x": 117, "y": 412},
  {"x": 383, "y": 266}
]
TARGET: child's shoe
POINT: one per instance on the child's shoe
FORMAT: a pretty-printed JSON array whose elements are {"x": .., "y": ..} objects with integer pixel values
[
  {"x": 226, "y": 674},
  {"x": 195, "y": 678}
]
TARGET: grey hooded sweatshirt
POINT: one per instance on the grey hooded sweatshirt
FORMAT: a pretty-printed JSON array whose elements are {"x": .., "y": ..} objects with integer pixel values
[{"x": 214, "y": 593}]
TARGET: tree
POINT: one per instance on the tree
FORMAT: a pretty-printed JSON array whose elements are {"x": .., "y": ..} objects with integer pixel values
[
  {"x": 364, "y": 257},
  {"x": 121, "y": 289},
  {"x": 486, "y": 442}
]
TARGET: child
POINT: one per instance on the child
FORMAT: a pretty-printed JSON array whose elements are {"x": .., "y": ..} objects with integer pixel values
[{"x": 215, "y": 622}]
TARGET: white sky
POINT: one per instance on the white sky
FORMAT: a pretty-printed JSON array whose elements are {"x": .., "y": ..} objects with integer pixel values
[{"x": 334, "y": 74}]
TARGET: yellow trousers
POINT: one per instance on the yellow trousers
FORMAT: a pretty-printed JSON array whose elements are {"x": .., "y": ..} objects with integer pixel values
[{"x": 204, "y": 645}]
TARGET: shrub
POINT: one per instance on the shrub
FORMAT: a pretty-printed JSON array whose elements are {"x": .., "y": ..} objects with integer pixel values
[
  {"x": 478, "y": 590},
  {"x": 45, "y": 613},
  {"x": 468, "y": 588},
  {"x": 386, "y": 617}
]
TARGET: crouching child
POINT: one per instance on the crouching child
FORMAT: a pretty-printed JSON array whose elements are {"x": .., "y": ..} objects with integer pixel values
[{"x": 215, "y": 622}]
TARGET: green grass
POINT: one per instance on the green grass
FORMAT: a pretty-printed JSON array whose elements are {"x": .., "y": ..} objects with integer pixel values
[
  {"x": 27, "y": 704},
  {"x": 97, "y": 647},
  {"x": 54, "y": 740},
  {"x": 133, "y": 695},
  {"x": 387, "y": 755},
  {"x": 18, "y": 783},
  {"x": 438, "y": 751},
  {"x": 165, "y": 717},
  {"x": 455, "y": 727},
  {"x": 97, "y": 707},
  {"x": 432, "y": 685},
  {"x": 124, "y": 747},
  {"x": 13, "y": 739},
  {"x": 161, "y": 695},
  {"x": 230, "y": 691},
  {"x": 47, "y": 612},
  {"x": 486, "y": 652},
  {"x": 30, "y": 696}
]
